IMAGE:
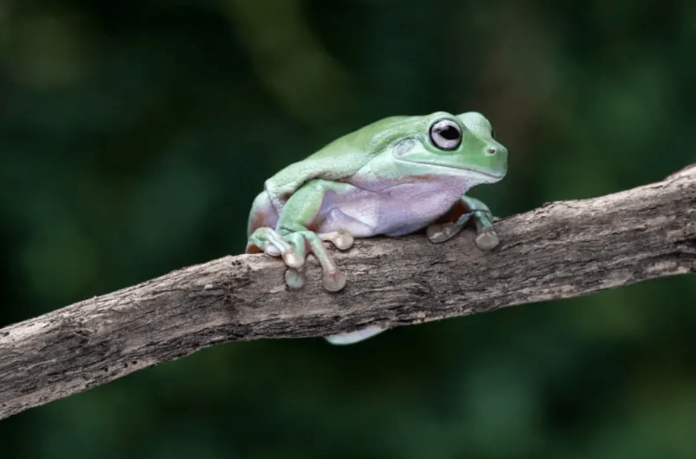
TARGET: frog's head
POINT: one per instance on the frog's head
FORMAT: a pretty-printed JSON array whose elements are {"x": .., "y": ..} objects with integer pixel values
[{"x": 464, "y": 144}]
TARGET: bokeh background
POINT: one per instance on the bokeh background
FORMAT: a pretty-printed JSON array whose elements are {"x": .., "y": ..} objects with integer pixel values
[{"x": 135, "y": 134}]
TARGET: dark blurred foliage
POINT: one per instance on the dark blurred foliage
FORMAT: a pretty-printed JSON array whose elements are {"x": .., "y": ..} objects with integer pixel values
[{"x": 135, "y": 134}]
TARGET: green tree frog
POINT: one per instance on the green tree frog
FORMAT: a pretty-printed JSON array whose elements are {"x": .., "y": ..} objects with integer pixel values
[{"x": 392, "y": 177}]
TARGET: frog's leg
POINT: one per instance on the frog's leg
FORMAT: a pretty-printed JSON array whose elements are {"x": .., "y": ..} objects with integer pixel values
[
  {"x": 474, "y": 209},
  {"x": 262, "y": 215},
  {"x": 292, "y": 238}
]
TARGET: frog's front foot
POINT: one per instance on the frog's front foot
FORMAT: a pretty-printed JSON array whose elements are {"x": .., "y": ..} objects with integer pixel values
[{"x": 293, "y": 248}]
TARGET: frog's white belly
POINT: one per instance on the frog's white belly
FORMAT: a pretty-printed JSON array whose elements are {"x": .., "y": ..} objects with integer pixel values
[{"x": 395, "y": 211}]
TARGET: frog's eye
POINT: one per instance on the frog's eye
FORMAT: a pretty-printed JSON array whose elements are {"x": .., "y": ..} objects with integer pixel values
[{"x": 446, "y": 134}]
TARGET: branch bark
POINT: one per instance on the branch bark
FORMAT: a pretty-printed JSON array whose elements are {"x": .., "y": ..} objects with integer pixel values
[{"x": 561, "y": 250}]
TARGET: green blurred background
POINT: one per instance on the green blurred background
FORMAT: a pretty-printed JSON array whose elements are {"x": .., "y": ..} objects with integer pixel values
[{"x": 135, "y": 134}]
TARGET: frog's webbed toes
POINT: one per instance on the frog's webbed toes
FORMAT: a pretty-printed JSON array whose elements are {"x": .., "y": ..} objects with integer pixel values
[
  {"x": 333, "y": 278},
  {"x": 293, "y": 247}
]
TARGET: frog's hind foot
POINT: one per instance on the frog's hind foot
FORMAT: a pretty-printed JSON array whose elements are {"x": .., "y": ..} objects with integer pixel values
[{"x": 486, "y": 237}]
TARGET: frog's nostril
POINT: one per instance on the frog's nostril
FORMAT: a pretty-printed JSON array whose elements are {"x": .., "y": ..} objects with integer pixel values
[{"x": 491, "y": 150}]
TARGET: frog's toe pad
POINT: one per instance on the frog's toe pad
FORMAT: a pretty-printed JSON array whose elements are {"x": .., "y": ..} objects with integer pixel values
[
  {"x": 334, "y": 281},
  {"x": 294, "y": 278},
  {"x": 271, "y": 250},
  {"x": 441, "y": 233},
  {"x": 293, "y": 259},
  {"x": 354, "y": 337},
  {"x": 341, "y": 239},
  {"x": 487, "y": 239},
  {"x": 436, "y": 234},
  {"x": 344, "y": 241}
]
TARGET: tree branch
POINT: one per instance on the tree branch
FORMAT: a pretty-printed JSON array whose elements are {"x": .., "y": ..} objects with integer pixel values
[{"x": 561, "y": 250}]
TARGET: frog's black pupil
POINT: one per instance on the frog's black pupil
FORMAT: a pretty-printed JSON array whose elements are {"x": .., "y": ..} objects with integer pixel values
[{"x": 449, "y": 133}]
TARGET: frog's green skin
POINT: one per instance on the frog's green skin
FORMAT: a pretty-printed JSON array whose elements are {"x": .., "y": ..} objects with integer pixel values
[{"x": 391, "y": 177}]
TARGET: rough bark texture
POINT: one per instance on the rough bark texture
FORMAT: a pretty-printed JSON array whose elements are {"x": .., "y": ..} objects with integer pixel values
[{"x": 561, "y": 250}]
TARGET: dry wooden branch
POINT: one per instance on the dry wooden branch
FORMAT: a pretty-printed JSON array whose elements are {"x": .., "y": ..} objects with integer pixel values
[{"x": 561, "y": 250}]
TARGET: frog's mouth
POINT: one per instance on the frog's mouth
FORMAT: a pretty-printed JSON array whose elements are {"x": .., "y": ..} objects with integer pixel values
[
  {"x": 484, "y": 174},
  {"x": 450, "y": 169}
]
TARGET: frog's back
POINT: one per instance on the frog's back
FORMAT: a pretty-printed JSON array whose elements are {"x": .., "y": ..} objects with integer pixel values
[{"x": 366, "y": 141}]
